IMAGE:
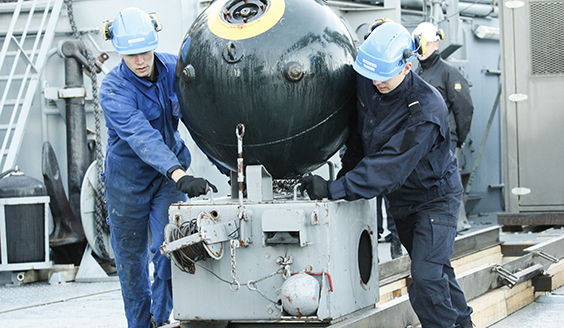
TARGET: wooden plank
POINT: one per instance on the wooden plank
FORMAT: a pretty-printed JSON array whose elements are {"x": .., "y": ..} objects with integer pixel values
[
  {"x": 557, "y": 270},
  {"x": 488, "y": 308},
  {"x": 392, "y": 291},
  {"x": 497, "y": 304},
  {"x": 391, "y": 295},
  {"x": 490, "y": 255},
  {"x": 520, "y": 300},
  {"x": 398, "y": 288}
]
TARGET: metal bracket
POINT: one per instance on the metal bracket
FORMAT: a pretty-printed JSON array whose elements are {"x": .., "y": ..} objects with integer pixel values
[
  {"x": 245, "y": 226},
  {"x": 72, "y": 93},
  {"x": 546, "y": 256},
  {"x": 504, "y": 274}
]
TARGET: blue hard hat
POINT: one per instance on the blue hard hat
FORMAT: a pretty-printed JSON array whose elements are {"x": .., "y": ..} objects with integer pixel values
[
  {"x": 385, "y": 52},
  {"x": 133, "y": 31}
]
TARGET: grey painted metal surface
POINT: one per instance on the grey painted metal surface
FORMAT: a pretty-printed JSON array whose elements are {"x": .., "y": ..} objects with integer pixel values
[
  {"x": 328, "y": 246},
  {"x": 534, "y": 218},
  {"x": 477, "y": 59},
  {"x": 96, "y": 305},
  {"x": 396, "y": 313},
  {"x": 533, "y": 112}
]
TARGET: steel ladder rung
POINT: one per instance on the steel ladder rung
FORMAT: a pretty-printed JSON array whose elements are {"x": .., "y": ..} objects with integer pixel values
[
  {"x": 16, "y": 77},
  {"x": 41, "y": 35},
  {"x": 13, "y": 102}
]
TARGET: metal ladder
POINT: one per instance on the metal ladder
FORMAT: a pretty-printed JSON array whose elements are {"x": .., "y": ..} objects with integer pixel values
[{"x": 22, "y": 58}]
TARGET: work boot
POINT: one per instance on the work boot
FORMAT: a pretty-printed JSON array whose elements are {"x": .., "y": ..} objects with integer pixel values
[
  {"x": 467, "y": 324},
  {"x": 395, "y": 247},
  {"x": 158, "y": 324}
]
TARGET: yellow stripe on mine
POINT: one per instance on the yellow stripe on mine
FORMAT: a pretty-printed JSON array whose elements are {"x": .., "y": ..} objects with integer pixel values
[{"x": 240, "y": 32}]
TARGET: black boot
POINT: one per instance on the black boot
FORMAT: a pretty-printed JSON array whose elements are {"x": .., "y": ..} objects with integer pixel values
[
  {"x": 395, "y": 247},
  {"x": 467, "y": 324}
]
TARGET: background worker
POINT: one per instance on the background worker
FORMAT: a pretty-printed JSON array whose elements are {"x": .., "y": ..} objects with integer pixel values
[
  {"x": 402, "y": 149},
  {"x": 145, "y": 163},
  {"x": 454, "y": 89}
]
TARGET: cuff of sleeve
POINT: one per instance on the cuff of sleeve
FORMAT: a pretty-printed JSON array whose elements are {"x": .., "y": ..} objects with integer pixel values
[
  {"x": 337, "y": 189},
  {"x": 172, "y": 169}
]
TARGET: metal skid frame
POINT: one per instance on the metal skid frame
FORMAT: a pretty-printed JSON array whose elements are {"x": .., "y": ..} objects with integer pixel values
[{"x": 254, "y": 246}]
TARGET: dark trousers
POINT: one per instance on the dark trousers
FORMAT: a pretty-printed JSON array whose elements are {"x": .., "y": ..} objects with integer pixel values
[
  {"x": 427, "y": 230},
  {"x": 129, "y": 226}
]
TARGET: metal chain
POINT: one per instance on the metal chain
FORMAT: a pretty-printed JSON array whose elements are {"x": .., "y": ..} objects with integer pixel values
[
  {"x": 100, "y": 213},
  {"x": 234, "y": 284},
  {"x": 252, "y": 284}
]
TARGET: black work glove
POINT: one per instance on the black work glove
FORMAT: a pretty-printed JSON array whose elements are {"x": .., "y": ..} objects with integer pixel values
[
  {"x": 194, "y": 187},
  {"x": 316, "y": 186}
]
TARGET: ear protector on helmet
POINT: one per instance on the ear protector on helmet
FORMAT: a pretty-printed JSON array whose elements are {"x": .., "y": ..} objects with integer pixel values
[
  {"x": 441, "y": 34},
  {"x": 420, "y": 47},
  {"x": 155, "y": 21},
  {"x": 420, "y": 43},
  {"x": 375, "y": 24},
  {"x": 107, "y": 31},
  {"x": 108, "y": 34}
]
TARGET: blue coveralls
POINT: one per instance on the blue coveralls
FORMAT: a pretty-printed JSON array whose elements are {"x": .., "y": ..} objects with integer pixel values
[
  {"x": 143, "y": 145},
  {"x": 402, "y": 152}
]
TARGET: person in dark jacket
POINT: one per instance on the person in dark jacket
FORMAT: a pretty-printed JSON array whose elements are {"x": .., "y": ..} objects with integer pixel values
[
  {"x": 145, "y": 164},
  {"x": 454, "y": 88},
  {"x": 401, "y": 150}
]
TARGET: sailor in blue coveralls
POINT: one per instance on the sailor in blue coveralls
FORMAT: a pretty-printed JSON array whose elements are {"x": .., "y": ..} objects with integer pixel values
[
  {"x": 401, "y": 149},
  {"x": 145, "y": 163}
]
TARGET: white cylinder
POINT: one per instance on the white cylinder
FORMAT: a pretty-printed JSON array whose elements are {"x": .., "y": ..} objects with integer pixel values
[
  {"x": 300, "y": 295},
  {"x": 487, "y": 32}
]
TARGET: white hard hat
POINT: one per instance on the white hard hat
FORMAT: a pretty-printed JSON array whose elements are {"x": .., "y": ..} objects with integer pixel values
[{"x": 429, "y": 32}]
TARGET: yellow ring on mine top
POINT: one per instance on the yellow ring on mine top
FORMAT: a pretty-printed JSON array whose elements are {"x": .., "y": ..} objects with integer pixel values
[{"x": 240, "y": 32}]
